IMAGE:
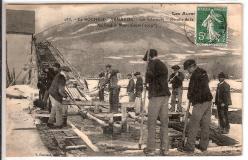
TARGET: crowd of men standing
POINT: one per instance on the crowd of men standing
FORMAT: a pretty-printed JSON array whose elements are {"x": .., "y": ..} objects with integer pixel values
[{"x": 52, "y": 91}]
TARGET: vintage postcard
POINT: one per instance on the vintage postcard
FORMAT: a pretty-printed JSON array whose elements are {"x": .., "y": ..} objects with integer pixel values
[{"x": 123, "y": 80}]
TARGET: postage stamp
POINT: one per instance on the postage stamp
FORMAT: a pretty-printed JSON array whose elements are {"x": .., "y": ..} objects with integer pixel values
[{"x": 211, "y": 26}]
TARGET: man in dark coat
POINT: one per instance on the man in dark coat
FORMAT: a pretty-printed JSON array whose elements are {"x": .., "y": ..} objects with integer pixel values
[
  {"x": 56, "y": 94},
  {"x": 223, "y": 100},
  {"x": 42, "y": 84},
  {"x": 158, "y": 95},
  {"x": 130, "y": 88},
  {"x": 200, "y": 97},
  {"x": 138, "y": 92},
  {"x": 101, "y": 86},
  {"x": 138, "y": 85},
  {"x": 176, "y": 79},
  {"x": 114, "y": 89}
]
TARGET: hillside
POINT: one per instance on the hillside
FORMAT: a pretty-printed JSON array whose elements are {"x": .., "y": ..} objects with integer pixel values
[{"x": 94, "y": 44}]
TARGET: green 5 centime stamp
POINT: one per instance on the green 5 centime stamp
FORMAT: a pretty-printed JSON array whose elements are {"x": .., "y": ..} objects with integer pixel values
[{"x": 211, "y": 26}]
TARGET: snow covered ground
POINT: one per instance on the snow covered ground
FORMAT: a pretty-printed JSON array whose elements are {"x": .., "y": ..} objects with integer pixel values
[
  {"x": 30, "y": 144},
  {"x": 22, "y": 138}
]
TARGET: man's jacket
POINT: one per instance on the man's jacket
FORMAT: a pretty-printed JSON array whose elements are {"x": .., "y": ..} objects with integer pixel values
[
  {"x": 223, "y": 94},
  {"x": 101, "y": 83},
  {"x": 131, "y": 86},
  {"x": 139, "y": 87},
  {"x": 111, "y": 79},
  {"x": 198, "y": 91},
  {"x": 176, "y": 81},
  {"x": 57, "y": 88},
  {"x": 50, "y": 76},
  {"x": 157, "y": 78}
]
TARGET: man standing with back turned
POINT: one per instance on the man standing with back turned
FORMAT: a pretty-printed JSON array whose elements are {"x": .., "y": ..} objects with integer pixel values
[
  {"x": 200, "y": 97},
  {"x": 158, "y": 95}
]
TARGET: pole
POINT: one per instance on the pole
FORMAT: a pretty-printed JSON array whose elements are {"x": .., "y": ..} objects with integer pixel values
[
  {"x": 185, "y": 125},
  {"x": 142, "y": 107}
]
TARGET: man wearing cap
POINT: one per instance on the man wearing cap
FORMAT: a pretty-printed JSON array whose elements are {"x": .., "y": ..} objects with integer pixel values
[
  {"x": 56, "y": 94},
  {"x": 223, "y": 100},
  {"x": 200, "y": 97},
  {"x": 114, "y": 89},
  {"x": 130, "y": 88},
  {"x": 138, "y": 91},
  {"x": 158, "y": 95},
  {"x": 176, "y": 79}
]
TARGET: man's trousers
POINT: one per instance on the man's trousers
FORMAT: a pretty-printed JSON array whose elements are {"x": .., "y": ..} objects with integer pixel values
[
  {"x": 158, "y": 106},
  {"x": 223, "y": 117},
  {"x": 176, "y": 93},
  {"x": 101, "y": 95},
  {"x": 114, "y": 99},
  {"x": 200, "y": 119},
  {"x": 58, "y": 112}
]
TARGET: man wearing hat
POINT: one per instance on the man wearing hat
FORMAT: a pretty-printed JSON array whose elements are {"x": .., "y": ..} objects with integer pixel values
[
  {"x": 223, "y": 100},
  {"x": 114, "y": 89},
  {"x": 158, "y": 95},
  {"x": 130, "y": 88},
  {"x": 200, "y": 98},
  {"x": 138, "y": 91},
  {"x": 176, "y": 79}
]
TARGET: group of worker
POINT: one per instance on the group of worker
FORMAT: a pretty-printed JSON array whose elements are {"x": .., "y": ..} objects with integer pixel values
[
  {"x": 199, "y": 96},
  {"x": 156, "y": 82}
]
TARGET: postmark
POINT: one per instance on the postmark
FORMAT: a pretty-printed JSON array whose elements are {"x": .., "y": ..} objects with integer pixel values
[{"x": 211, "y": 26}]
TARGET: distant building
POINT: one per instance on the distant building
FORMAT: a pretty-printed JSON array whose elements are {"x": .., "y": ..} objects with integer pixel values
[{"x": 20, "y": 28}]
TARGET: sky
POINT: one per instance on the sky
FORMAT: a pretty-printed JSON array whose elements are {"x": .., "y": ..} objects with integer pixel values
[{"x": 52, "y": 14}]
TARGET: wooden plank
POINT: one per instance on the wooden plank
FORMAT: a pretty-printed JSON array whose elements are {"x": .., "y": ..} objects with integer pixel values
[
  {"x": 101, "y": 122},
  {"x": 59, "y": 130},
  {"x": 84, "y": 137},
  {"x": 28, "y": 128},
  {"x": 48, "y": 115},
  {"x": 76, "y": 147},
  {"x": 86, "y": 103},
  {"x": 71, "y": 137}
]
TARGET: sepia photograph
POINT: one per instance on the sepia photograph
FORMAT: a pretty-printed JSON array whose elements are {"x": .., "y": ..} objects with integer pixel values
[{"x": 91, "y": 80}]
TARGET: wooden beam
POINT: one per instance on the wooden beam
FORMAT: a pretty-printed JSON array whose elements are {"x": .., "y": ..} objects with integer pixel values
[
  {"x": 71, "y": 137},
  {"x": 86, "y": 103},
  {"x": 76, "y": 147},
  {"x": 84, "y": 137},
  {"x": 101, "y": 122},
  {"x": 40, "y": 115}
]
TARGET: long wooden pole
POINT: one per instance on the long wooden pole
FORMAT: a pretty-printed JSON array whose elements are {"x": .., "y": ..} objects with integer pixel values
[
  {"x": 84, "y": 137},
  {"x": 185, "y": 124},
  {"x": 143, "y": 107}
]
